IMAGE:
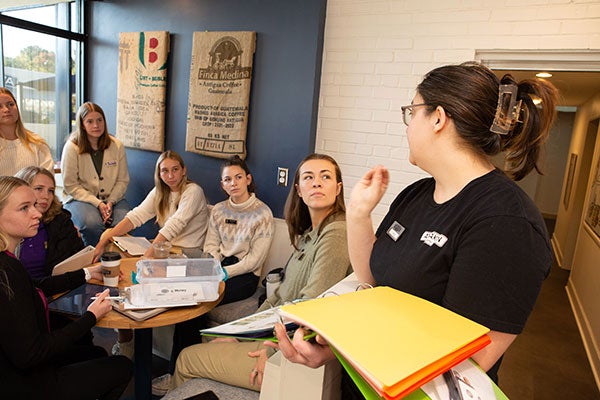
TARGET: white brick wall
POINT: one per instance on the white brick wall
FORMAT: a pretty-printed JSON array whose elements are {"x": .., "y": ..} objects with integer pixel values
[{"x": 376, "y": 52}]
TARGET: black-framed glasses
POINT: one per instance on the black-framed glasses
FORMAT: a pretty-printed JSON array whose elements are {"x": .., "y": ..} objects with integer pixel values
[{"x": 408, "y": 110}]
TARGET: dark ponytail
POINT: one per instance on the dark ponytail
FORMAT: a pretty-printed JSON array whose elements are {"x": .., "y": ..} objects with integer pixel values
[
  {"x": 524, "y": 143},
  {"x": 469, "y": 94}
]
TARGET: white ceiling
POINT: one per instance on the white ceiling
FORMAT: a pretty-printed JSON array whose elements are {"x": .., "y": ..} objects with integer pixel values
[{"x": 575, "y": 87}]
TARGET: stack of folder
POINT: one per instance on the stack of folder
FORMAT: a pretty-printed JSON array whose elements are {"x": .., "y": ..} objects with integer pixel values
[{"x": 390, "y": 342}]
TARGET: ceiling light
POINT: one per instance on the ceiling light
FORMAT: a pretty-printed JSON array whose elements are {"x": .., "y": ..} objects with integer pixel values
[{"x": 544, "y": 75}]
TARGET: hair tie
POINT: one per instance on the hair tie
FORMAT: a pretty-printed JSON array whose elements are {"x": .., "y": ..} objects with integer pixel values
[{"x": 507, "y": 110}]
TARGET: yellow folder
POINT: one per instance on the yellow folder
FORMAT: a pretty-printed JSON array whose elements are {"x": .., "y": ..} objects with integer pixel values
[{"x": 396, "y": 341}]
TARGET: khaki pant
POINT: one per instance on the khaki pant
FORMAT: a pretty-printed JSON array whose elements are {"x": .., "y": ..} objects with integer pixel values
[{"x": 223, "y": 362}]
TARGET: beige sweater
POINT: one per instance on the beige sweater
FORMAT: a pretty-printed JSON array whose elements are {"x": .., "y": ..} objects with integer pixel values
[
  {"x": 82, "y": 183},
  {"x": 15, "y": 155}
]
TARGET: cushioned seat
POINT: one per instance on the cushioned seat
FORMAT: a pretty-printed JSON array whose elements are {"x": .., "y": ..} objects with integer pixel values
[{"x": 201, "y": 385}]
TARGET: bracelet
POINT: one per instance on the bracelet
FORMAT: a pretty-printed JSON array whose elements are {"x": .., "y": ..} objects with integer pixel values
[
  {"x": 226, "y": 274},
  {"x": 87, "y": 273}
]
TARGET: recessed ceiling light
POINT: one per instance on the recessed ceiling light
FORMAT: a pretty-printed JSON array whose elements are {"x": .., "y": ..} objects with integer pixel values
[{"x": 544, "y": 75}]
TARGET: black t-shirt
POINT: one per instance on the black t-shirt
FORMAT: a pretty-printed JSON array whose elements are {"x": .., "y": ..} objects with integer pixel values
[{"x": 483, "y": 254}]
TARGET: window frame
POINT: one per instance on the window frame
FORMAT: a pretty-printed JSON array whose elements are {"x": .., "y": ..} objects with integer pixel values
[{"x": 62, "y": 77}]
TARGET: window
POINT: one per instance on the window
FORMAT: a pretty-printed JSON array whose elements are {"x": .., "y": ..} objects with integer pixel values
[{"x": 41, "y": 48}]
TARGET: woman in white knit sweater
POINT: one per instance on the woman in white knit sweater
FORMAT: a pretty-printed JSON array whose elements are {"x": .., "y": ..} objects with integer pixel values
[
  {"x": 177, "y": 203},
  {"x": 240, "y": 231},
  {"x": 181, "y": 212},
  {"x": 19, "y": 147}
]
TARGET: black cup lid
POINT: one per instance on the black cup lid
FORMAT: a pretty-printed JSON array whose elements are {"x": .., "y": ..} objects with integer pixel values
[{"x": 110, "y": 256}]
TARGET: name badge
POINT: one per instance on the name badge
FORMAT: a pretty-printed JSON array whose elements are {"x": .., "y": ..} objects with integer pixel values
[
  {"x": 395, "y": 231},
  {"x": 231, "y": 221}
]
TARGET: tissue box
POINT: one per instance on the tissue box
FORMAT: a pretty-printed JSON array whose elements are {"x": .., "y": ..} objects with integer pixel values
[{"x": 175, "y": 280}]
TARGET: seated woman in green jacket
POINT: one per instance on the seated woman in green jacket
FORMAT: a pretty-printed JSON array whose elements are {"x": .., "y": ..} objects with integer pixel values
[{"x": 315, "y": 215}]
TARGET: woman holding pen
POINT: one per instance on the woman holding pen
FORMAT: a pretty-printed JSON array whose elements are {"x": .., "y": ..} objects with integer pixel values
[
  {"x": 468, "y": 238},
  {"x": 36, "y": 361}
]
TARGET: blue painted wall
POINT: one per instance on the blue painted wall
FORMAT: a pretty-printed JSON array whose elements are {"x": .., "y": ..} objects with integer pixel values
[{"x": 285, "y": 83}]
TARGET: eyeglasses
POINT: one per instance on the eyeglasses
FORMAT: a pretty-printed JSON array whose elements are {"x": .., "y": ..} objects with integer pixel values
[{"x": 407, "y": 116}]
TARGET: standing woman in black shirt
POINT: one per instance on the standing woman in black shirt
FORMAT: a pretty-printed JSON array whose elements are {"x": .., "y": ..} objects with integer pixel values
[{"x": 468, "y": 238}]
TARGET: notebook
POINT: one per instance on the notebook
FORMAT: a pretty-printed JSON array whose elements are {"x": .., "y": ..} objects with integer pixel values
[
  {"x": 133, "y": 245},
  {"x": 137, "y": 315},
  {"x": 76, "y": 302},
  {"x": 82, "y": 258}
]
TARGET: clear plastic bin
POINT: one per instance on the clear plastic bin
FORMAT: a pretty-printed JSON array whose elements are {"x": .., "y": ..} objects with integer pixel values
[{"x": 174, "y": 280}]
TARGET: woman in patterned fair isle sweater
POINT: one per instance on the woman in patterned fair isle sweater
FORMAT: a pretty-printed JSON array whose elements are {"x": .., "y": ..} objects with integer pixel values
[{"x": 240, "y": 232}]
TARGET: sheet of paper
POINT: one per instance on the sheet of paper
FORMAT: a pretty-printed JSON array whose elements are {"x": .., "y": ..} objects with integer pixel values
[{"x": 134, "y": 245}]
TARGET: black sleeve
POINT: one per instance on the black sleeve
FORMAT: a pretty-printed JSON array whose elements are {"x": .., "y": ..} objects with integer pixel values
[
  {"x": 63, "y": 240},
  {"x": 52, "y": 285},
  {"x": 24, "y": 337}
]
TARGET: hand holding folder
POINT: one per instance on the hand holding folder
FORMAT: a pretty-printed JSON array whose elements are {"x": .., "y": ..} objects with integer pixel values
[{"x": 402, "y": 341}]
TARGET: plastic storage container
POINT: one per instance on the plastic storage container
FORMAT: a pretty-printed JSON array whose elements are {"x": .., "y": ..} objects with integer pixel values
[{"x": 175, "y": 281}]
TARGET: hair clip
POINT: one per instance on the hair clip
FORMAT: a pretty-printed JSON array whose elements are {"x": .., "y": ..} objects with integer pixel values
[{"x": 507, "y": 110}]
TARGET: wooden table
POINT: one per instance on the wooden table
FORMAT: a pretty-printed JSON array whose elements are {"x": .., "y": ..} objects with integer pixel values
[{"x": 143, "y": 329}]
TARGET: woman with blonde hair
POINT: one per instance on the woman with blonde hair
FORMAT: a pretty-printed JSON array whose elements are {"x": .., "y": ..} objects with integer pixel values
[
  {"x": 181, "y": 212},
  {"x": 57, "y": 238},
  {"x": 19, "y": 147},
  {"x": 37, "y": 361},
  {"x": 177, "y": 203},
  {"x": 95, "y": 175}
]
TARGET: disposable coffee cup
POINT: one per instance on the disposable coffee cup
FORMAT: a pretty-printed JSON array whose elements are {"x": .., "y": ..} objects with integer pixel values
[
  {"x": 111, "y": 266},
  {"x": 161, "y": 249}
]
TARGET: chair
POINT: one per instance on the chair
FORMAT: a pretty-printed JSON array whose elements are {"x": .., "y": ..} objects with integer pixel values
[{"x": 279, "y": 253}]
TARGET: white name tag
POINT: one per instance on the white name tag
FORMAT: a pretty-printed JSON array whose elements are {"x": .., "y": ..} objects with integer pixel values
[
  {"x": 395, "y": 231},
  {"x": 175, "y": 271}
]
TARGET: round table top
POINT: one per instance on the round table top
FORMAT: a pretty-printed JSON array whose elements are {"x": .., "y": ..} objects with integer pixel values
[{"x": 114, "y": 319}]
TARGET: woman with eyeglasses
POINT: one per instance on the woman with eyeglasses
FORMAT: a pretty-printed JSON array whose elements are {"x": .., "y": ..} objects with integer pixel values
[
  {"x": 315, "y": 216},
  {"x": 19, "y": 147},
  {"x": 468, "y": 238},
  {"x": 38, "y": 361}
]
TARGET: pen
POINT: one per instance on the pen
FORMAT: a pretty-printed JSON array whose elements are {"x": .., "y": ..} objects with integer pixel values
[
  {"x": 110, "y": 298},
  {"x": 452, "y": 384}
]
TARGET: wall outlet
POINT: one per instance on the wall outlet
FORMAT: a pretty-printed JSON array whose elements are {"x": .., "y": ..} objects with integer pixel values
[{"x": 282, "y": 176}]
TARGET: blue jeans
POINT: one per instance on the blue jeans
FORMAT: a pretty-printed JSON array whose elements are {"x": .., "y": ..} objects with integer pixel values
[{"x": 88, "y": 220}]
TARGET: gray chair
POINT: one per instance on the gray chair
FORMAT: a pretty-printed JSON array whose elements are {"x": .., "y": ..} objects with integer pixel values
[{"x": 201, "y": 385}]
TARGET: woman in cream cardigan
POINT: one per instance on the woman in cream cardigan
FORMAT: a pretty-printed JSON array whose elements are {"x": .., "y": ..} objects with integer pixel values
[{"x": 95, "y": 175}]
